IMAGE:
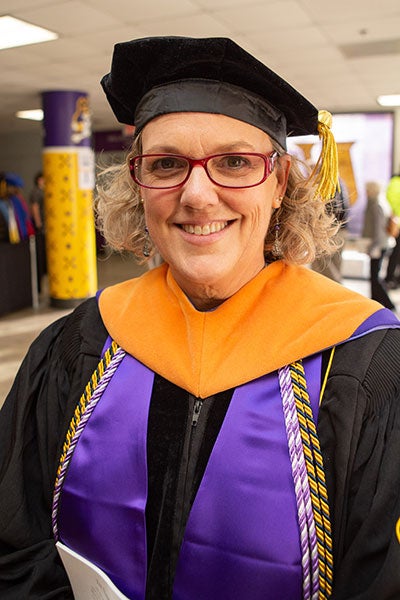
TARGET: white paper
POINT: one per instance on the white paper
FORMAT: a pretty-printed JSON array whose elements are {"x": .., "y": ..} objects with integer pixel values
[
  {"x": 86, "y": 168},
  {"x": 88, "y": 582}
]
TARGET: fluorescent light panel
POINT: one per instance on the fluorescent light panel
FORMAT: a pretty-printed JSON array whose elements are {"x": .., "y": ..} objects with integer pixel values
[
  {"x": 389, "y": 100},
  {"x": 33, "y": 115},
  {"x": 14, "y": 32}
]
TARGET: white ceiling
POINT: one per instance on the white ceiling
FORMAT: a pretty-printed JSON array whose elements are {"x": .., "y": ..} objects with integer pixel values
[{"x": 341, "y": 54}]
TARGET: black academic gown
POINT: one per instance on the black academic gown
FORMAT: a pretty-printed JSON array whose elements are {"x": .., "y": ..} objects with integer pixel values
[{"x": 359, "y": 431}]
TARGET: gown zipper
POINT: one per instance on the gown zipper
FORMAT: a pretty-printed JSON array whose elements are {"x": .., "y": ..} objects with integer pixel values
[
  {"x": 196, "y": 412},
  {"x": 183, "y": 468},
  {"x": 187, "y": 481}
]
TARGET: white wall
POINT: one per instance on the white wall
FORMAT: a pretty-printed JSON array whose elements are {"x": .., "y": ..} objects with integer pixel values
[{"x": 396, "y": 142}]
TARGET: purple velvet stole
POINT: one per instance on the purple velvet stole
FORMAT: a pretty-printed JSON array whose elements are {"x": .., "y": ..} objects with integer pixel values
[{"x": 242, "y": 536}]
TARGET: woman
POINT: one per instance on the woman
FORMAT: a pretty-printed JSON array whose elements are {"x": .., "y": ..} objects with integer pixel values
[
  {"x": 192, "y": 467},
  {"x": 375, "y": 225}
]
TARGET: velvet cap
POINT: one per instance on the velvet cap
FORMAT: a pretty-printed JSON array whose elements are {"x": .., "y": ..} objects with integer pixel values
[{"x": 159, "y": 75}]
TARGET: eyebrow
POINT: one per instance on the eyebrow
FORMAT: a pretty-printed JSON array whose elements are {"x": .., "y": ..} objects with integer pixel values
[{"x": 239, "y": 145}]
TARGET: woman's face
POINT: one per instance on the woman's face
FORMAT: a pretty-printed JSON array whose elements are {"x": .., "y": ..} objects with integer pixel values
[{"x": 212, "y": 237}]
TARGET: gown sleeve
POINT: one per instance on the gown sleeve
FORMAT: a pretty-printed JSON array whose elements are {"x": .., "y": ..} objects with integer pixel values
[
  {"x": 33, "y": 423},
  {"x": 359, "y": 429}
]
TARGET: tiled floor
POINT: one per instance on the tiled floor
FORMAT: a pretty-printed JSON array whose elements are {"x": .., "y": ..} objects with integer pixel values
[{"x": 18, "y": 330}]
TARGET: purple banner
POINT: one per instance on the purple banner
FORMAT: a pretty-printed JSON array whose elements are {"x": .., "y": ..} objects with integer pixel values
[{"x": 67, "y": 118}]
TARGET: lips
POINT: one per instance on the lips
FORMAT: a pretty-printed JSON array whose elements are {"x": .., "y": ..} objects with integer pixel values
[{"x": 207, "y": 229}]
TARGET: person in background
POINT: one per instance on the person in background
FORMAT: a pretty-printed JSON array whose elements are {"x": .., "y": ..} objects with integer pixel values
[
  {"x": 225, "y": 425},
  {"x": 36, "y": 202},
  {"x": 339, "y": 206},
  {"x": 393, "y": 198},
  {"x": 4, "y": 210},
  {"x": 375, "y": 229},
  {"x": 20, "y": 210}
]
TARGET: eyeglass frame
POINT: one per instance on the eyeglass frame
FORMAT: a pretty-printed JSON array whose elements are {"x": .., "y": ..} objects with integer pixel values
[{"x": 269, "y": 166}]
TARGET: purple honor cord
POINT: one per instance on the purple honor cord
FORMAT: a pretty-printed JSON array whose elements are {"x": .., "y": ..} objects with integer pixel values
[{"x": 308, "y": 537}]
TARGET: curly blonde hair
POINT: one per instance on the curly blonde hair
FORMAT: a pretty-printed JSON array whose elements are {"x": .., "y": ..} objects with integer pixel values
[{"x": 302, "y": 228}]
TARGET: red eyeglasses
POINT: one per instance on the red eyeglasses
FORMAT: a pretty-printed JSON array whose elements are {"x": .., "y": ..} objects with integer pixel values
[{"x": 230, "y": 170}]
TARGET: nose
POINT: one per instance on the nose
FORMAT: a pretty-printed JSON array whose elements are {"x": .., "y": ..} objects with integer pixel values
[{"x": 199, "y": 191}]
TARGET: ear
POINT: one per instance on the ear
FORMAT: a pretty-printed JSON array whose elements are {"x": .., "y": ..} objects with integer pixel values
[{"x": 282, "y": 174}]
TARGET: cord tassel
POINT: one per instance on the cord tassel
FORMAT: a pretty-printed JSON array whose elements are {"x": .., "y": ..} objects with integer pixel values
[{"x": 326, "y": 171}]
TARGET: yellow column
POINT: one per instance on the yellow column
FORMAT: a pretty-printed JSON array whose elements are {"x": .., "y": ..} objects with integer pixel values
[
  {"x": 68, "y": 168},
  {"x": 70, "y": 229}
]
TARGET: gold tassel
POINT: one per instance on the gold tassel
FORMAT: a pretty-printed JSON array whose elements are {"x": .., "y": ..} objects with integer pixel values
[{"x": 326, "y": 171}]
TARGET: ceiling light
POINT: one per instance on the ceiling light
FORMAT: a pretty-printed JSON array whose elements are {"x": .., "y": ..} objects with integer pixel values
[
  {"x": 389, "y": 100},
  {"x": 14, "y": 32},
  {"x": 33, "y": 115}
]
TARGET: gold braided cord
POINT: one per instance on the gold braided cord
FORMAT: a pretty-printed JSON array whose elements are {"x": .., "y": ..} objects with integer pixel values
[
  {"x": 316, "y": 476},
  {"x": 84, "y": 401},
  {"x": 326, "y": 170},
  {"x": 328, "y": 370}
]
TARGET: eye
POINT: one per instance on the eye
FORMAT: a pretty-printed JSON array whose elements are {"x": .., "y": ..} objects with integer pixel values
[
  {"x": 235, "y": 162},
  {"x": 232, "y": 163},
  {"x": 167, "y": 163}
]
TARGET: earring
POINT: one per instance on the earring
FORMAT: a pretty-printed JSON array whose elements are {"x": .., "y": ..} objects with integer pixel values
[
  {"x": 146, "y": 245},
  {"x": 276, "y": 246}
]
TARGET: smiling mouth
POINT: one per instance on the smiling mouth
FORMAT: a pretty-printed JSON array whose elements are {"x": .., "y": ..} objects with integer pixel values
[{"x": 205, "y": 229}]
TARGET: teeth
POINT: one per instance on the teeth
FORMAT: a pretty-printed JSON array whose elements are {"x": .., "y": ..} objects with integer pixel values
[{"x": 205, "y": 229}]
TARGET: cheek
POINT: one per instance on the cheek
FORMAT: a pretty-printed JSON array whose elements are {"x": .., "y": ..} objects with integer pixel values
[
  {"x": 155, "y": 211},
  {"x": 159, "y": 205},
  {"x": 260, "y": 213},
  {"x": 261, "y": 223},
  {"x": 159, "y": 219}
]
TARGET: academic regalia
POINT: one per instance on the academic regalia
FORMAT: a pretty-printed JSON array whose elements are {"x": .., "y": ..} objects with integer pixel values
[{"x": 358, "y": 420}]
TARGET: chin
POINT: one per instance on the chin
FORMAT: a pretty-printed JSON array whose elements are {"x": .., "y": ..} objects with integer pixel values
[{"x": 202, "y": 271}]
